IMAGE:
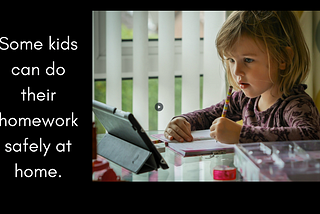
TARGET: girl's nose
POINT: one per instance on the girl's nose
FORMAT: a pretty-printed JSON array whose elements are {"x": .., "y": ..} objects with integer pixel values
[{"x": 237, "y": 70}]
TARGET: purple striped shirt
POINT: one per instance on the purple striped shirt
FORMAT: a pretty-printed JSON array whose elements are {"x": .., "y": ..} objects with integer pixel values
[{"x": 294, "y": 117}]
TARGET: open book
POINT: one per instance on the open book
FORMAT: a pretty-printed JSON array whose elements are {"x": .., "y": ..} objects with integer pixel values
[{"x": 202, "y": 144}]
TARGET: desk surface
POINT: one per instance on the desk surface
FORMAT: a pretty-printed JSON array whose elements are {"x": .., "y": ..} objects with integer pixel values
[{"x": 196, "y": 168}]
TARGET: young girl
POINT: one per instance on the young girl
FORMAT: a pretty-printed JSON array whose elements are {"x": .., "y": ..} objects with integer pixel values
[{"x": 266, "y": 59}]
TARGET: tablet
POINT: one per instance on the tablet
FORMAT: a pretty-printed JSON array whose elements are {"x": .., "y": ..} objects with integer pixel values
[{"x": 126, "y": 142}]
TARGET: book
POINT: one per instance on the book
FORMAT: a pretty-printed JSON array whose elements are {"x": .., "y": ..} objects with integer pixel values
[{"x": 202, "y": 144}]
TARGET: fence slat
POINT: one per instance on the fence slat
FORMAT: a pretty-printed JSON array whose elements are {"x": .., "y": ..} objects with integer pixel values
[
  {"x": 113, "y": 59},
  {"x": 190, "y": 96},
  {"x": 213, "y": 73},
  {"x": 166, "y": 68},
  {"x": 140, "y": 102}
]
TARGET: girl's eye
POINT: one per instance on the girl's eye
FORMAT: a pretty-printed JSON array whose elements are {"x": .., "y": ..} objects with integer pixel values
[
  {"x": 248, "y": 60},
  {"x": 230, "y": 60}
]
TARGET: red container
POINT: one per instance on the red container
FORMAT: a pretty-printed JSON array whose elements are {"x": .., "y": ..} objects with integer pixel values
[
  {"x": 101, "y": 171},
  {"x": 224, "y": 173}
]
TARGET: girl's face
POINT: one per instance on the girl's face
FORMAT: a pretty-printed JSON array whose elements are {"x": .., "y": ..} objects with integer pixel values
[{"x": 248, "y": 63}]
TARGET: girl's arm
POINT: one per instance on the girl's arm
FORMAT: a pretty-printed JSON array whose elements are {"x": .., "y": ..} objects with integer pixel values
[
  {"x": 302, "y": 123},
  {"x": 202, "y": 119}
]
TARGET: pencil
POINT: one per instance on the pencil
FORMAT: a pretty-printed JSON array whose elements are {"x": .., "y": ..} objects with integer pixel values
[{"x": 226, "y": 104}]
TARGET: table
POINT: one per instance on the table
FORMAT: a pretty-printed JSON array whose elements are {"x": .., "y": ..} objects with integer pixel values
[{"x": 196, "y": 168}]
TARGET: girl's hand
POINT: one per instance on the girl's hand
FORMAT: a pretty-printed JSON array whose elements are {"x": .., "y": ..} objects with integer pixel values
[
  {"x": 179, "y": 129},
  {"x": 225, "y": 130}
]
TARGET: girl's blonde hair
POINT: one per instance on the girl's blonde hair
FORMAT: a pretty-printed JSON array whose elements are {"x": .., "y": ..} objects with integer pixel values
[{"x": 277, "y": 30}]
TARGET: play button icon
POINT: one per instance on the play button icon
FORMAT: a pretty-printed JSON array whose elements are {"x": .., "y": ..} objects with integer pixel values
[{"x": 158, "y": 106}]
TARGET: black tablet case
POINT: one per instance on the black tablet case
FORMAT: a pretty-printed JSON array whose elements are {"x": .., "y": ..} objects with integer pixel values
[{"x": 126, "y": 142}]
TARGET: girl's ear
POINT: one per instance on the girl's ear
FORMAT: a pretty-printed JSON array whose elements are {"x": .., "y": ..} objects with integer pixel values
[{"x": 283, "y": 64}]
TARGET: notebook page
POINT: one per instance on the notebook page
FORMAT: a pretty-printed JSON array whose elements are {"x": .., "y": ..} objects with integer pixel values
[
  {"x": 200, "y": 145},
  {"x": 197, "y": 135}
]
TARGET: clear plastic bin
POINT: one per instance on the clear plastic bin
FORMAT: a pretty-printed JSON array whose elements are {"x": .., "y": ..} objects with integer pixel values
[{"x": 279, "y": 161}]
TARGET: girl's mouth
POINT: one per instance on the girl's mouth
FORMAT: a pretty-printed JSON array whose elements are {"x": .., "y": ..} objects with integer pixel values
[{"x": 244, "y": 85}]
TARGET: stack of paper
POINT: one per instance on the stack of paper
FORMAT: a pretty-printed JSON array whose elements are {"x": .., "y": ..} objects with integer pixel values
[{"x": 202, "y": 144}]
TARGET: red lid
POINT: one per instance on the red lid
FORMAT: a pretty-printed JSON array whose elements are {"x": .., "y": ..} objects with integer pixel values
[{"x": 98, "y": 165}]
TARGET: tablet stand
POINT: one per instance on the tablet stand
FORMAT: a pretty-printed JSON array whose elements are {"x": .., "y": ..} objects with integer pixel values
[{"x": 127, "y": 155}]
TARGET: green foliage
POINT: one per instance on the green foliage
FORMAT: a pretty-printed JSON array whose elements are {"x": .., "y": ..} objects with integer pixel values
[
  {"x": 153, "y": 99},
  {"x": 127, "y": 95},
  {"x": 126, "y": 33},
  {"x": 100, "y": 95},
  {"x": 177, "y": 95}
]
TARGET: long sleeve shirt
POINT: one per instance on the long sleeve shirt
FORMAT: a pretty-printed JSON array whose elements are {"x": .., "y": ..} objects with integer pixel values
[{"x": 294, "y": 117}]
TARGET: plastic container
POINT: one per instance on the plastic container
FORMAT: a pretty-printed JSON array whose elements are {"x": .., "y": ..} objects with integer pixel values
[
  {"x": 224, "y": 173},
  {"x": 221, "y": 168},
  {"x": 101, "y": 171},
  {"x": 279, "y": 161}
]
